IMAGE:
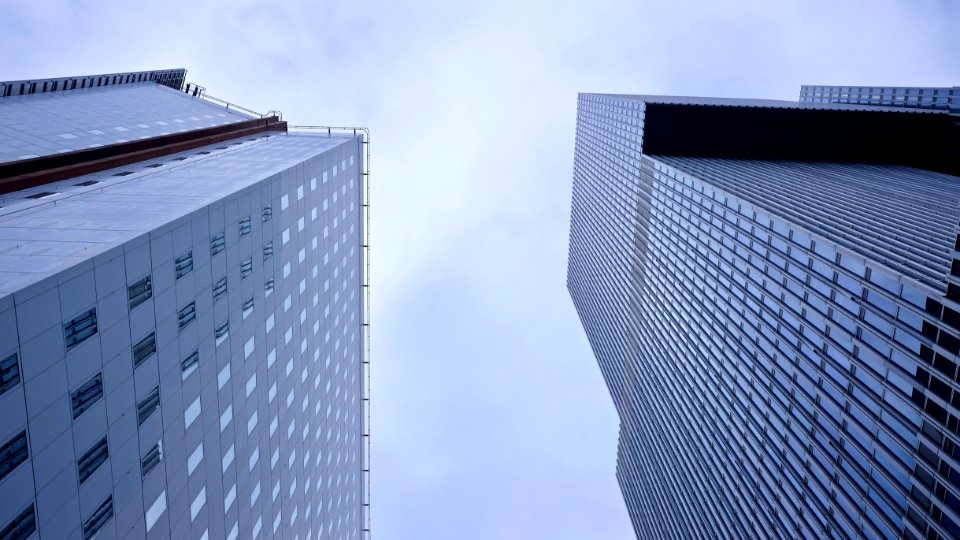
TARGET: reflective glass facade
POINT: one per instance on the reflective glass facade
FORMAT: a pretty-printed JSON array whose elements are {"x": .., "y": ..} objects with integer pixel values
[
  {"x": 780, "y": 337},
  {"x": 945, "y": 98},
  {"x": 181, "y": 339}
]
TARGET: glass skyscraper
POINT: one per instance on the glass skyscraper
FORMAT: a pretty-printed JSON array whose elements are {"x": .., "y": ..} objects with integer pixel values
[
  {"x": 772, "y": 292},
  {"x": 182, "y": 316}
]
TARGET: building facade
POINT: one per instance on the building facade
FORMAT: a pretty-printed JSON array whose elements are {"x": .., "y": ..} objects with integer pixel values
[
  {"x": 182, "y": 317},
  {"x": 771, "y": 291}
]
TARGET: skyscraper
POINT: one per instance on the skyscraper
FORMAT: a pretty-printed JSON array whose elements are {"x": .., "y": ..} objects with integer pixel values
[
  {"x": 772, "y": 292},
  {"x": 182, "y": 316}
]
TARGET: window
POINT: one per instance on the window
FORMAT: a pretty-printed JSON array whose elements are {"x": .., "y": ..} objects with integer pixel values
[
  {"x": 84, "y": 397},
  {"x": 10, "y": 370},
  {"x": 219, "y": 288},
  {"x": 198, "y": 503},
  {"x": 152, "y": 459},
  {"x": 267, "y": 251},
  {"x": 189, "y": 364},
  {"x": 195, "y": 458},
  {"x": 147, "y": 405},
  {"x": 80, "y": 328},
  {"x": 91, "y": 460},
  {"x": 267, "y": 213},
  {"x": 184, "y": 264},
  {"x": 268, "y": 286},
  {"x": 22, "y": 526},
  {"x": 140, "y": 292},
  {"x": 222, "y": 332},
  {"x": 12, "y": 454},
  {"x": 144, "y": 348},
  {"x": 187, "y": 315},
  {"x": 247, "y": 308},
  {"x": 156, "y": 510},
  {"x": 192, "y": 413},
  {"x": 246, "y": 268},
  {"x": 98, "y": 519},
  {"x": 245, "y": 226},
  {"x": 217, "y": 243}
]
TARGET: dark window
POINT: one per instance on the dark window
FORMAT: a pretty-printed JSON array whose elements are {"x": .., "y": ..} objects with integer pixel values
[
  {"x": 268, "y": 213},
  {"x": 88, "y": 183},
  {"x": 155, "y": 165},
  {"x": 222, "y": 330},
  {"x": 246, "y": 268},
  {"x": 189, "y": 362},
  {"x": 144, "y": 348},
  {"x": 9, "y": 373},
  {"x": 186, "y": 315},
  {"x": 12, "y": 454},
  {"x": 80, "y": 328},
  {"x": 268, "y": 286},
  {"x": 147, "y": 405},
  {"x": 41, "y": 195},
  {"x": 217, "y": 244},
  {"x": 98, "y": 519},
  {"x": 91, "y": 460},
  {"x": 248, "y": 305},
  {"x": 124, "y": 173},
  {"x": 267, "y": 251},
  {"x": 151, "y": 460},
  {"x": 84, "y": 397},
  {"x": 245, "y": 227},
  {"x": 140, "y": 292},
  {"x": 184, "y": 264},
  {"x": 219, "y": 288},
  {"x": 22, "y": 526}
]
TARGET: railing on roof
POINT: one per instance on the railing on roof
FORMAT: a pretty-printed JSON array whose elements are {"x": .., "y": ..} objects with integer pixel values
[
  {"x": 198, "y": 91},
  {"x": 173, "y": 78}
]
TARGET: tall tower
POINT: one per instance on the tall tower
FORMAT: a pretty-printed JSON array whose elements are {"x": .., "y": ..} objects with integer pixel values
[
  {"x": 770, "y": 289},
  {"x": 182, "y": 316}
]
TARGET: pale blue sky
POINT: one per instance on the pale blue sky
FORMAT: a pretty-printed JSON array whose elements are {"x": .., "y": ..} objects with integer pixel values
[{"x": 490, "y": 416}]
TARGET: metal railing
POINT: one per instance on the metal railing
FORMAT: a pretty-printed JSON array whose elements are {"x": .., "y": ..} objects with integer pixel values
[{"x": 200, "y": 92}]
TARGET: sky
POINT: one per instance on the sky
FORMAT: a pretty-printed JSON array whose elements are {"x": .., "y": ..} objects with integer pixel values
[{"x": 490, "y": 417}]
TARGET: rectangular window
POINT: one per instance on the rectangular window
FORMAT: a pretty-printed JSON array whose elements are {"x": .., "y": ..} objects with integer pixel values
[
  {"x": 268, "y": 286},
  {"x": 91, "y": 460},
  {"x": 245, "y": 227},
  {"x": 189, "y": 364},
  {"x": 267, "y": 251},
  {"x": 219, "y": 288},
  {"x": 12, "y": 454},
  {"x": 198, "y": 503},
  {"x": 246, "y": 268},
  {"x": 98, "y": 519},
  {"x": 267, "y": 213},
  {"x": 184, "y": 264},
  {"x": 140, "y": 292},
  {"x": 187, "y": 315},
  {"x": 247, "y": 308},
  {"x": 152, "y": 459},
  {"x": 147, "y": 405},
  {"x": 84, "y": 397},
  {"x": 80, "y": 328},
  {"x": 22, "y": 526},
  {"x": 156, "y": 510},
  {"x": 222, "y": 332},
  {"x": 192, "y": 413},
  {"x": 218, "y": 243},
  {"x": 10, "y": 371},
  {"x": 144, "y": 348}
]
